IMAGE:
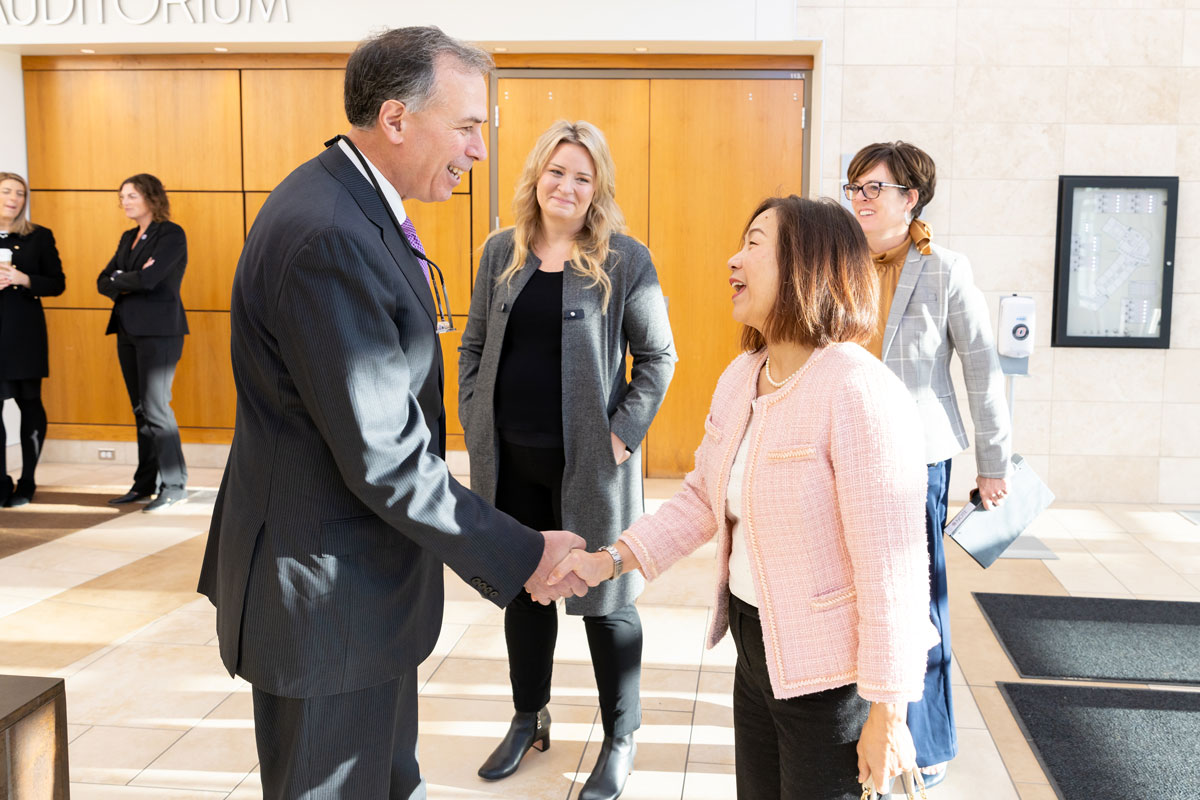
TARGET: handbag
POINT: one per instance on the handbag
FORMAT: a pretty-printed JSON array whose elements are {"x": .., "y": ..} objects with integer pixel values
[
  {"x": 985, "y": 535},
  {"x": 910, "y": 782}
]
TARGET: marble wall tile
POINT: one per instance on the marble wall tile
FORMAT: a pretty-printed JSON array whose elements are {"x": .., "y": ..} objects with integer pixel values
[
  {"x": 1122, "y": 479},
  {"x": 1010, "y": 263},
  {"x": 826, "y": 25},
  {"x": 907, "y": 36},
  {"x": 1179, "y": 480},
  {"x": 1186, "y": 277},
  {"x": 832, "y": 76},
  {"x": 1181, "y": 430},
  {"x": 1119, "y": 95},
  {"x": 1007, "y": 151},
  {"x": 1189, "y": 95},
  {"x": 1187, "y": 153},
  {"x": 1181, "y": 381},
  {"x": 1119, "y": 150},
  {"x": 999, "y": 37},
  {"x": 1031, "y": 427},
  {"x": 1188, "y": 220},
  {"x": 1105, "y": 429},
  {"x": 1126, "y": 37},
  {"x": 1108, "y": 375},
  {"x": 897, "y": 94},
  {"x": 1003, "y": 206},
  {"x": 1185, "y": 321},
  {"x": 935, "y": 138},
  {"x": 1191, "y": 37},
  {"x": 1010, "y": 94}
]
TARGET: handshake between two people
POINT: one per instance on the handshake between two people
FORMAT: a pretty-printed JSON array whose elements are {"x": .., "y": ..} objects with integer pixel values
[{"x": 567, "y": 569}]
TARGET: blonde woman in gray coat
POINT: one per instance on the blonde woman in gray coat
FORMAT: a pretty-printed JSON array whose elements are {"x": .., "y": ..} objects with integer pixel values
[{"x": 553, "y": 427}]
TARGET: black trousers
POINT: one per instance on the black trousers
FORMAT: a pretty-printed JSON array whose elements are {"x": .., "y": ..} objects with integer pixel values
[
  {"x": 803, "y": 746},
  {"x": 33, "y": 436},
  {"x": 148, "y": 366},
  {"x": 529, "y": 488},
  {"x": 357, "y": 744}
]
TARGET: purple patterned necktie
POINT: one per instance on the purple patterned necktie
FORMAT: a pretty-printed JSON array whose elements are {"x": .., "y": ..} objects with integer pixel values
[{"x": 410, "y": 233}]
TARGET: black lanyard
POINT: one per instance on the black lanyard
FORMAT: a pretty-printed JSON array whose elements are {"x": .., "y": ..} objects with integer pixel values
[{"x": 445, "y": 320}]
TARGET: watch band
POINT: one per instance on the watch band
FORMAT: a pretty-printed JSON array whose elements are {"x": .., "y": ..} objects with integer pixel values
[{"x": 616, "y": 557}]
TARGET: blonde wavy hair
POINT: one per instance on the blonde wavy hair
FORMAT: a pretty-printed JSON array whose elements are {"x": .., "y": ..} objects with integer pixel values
[
  {"x": 603, "y": 217},
  {"x": 21, "y": 225}
]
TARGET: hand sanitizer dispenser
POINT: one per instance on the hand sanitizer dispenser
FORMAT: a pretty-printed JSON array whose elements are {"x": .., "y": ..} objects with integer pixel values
[{"x": 1016, "y": 326}]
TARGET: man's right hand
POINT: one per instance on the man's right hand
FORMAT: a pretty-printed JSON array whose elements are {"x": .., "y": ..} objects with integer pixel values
[{"x": 558, "y": 545}]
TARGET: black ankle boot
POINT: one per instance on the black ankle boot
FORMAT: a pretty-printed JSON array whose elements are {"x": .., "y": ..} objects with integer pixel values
[
  {"x": 607, "y": 780},
  {"x": 528, "y": 729},
  {"x": 6, "y": 489},
  {"x": 22, "y": 495}
]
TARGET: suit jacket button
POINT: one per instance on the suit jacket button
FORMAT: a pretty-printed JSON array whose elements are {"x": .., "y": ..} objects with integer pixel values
[{"x": 493, "y": 594}]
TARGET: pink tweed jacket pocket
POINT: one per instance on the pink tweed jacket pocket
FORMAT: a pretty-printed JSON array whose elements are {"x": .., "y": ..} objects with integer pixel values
[{"x": 834, "y": 522}]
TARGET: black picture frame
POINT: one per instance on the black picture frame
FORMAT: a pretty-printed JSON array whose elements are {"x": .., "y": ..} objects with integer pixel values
[{"x": 1069, "y": 308}]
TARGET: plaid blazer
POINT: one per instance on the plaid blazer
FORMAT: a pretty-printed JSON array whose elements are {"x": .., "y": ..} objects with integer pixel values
[{"x": 938, "y": 310}]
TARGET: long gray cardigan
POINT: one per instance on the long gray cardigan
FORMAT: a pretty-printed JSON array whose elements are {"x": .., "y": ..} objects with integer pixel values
[{"x": 599, "y": 497}]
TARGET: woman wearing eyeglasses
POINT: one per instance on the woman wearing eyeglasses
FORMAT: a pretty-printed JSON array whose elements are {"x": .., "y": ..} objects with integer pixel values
[
  {"x": 554, "y": 429},
  {"x": 929, "y": 308}
]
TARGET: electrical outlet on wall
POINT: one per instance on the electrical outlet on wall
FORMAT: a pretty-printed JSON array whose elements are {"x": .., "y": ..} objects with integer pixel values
[{"x": 106, "y": 455}]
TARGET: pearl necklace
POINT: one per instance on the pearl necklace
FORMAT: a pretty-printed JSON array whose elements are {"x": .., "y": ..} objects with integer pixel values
[{"x": 772, "y": 381}]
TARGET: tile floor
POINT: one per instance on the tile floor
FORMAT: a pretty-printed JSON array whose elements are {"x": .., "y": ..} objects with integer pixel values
[{"x": 111, "y": 607}]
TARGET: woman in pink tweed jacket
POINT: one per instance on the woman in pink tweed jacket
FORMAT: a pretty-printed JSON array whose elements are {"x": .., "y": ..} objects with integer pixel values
[{"x": 822, "y": 565}]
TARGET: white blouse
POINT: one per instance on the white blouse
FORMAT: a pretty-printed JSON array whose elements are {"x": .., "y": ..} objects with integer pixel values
[{"x": 741, "y": 579}]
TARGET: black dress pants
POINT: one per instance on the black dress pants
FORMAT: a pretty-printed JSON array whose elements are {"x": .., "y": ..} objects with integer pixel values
[
  {"x": 359, "y": 744},
  {"x": 529, "y": 488},
  {"x": 803, "y": 746},
  {"x": 148, "y": 366},
  {"x": 33, "y": 435}
]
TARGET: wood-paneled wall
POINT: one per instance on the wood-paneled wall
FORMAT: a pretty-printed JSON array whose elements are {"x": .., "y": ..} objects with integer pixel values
[{"x": 221, "y": 134}]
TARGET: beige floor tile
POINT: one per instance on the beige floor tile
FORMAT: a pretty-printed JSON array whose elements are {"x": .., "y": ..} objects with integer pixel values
[
  {"x": 689, "y": 582},
  {"x": 456, "y": 736},
  {"x": 143, "y": 684},
  {"x": 249, "y": 789},
  {"x": 956, "y": 674},
  {"x": 722, "y": 658},
  {"x": 98, "y": 791},
  {"x": 63, "y": 555},
  {"x": 212, "y": 757},
  {"x": 13, "y": 603},
  {"x": 75, "y": 731},
  {"x": 157, "y": 583},
  {"x": 712, "y": 724},
  {"x": 448, "y": 637},
  {"x": 108, "y": 754},
  {"x": 38, "y": 584},
  {"x": 978, "y": 772},
  {"x": 1036, "y": 791},
  {"x": 1146, "y": 574},
  {"x": 1082, "y": 573},
  {"x": 1181, "y": 555},
  {"x": 658, "y": 767},
  {"x": 709, "y": 781},
  {"x": 238, "y": 707},
  {"x": 51, "y": 635},
  {"x": 1082, "y": 517},
  {"x": 1147, "y": 519},
  {"x": 1018, "y": 758},
  {"x": 180, "y": 627},
  {"x": 674, "y": 635},
  {"x": 966, "y": 712},
  {"x": 141, "y": 539}
]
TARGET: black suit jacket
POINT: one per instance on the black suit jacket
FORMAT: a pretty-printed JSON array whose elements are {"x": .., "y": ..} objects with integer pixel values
[
  {"x": 23, "y": 352},
  {"x": 146, "y": 300},
  {"x": 336, "y": 510}
]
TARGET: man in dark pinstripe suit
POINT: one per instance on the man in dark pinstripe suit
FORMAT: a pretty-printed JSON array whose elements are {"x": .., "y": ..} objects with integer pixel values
[{"x": 336, "y": 510}]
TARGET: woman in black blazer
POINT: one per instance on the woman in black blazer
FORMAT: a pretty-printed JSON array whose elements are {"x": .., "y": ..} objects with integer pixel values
[
  {"x": 29, "y": 270},
  {"x": 143, "y": 280}
]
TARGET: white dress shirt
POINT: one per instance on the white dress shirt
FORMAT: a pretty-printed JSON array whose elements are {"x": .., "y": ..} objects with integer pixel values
[
  {"x": 389, "y": 191},
  {"x": 741, "y": 579}
]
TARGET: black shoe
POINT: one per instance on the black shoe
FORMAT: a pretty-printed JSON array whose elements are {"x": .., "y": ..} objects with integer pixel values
[
  {"x": 6, "y": 489},
  {"x": 166, "y": 498},
  {"x": 132, "y": 496},
  {"x": 528, "y": 729},
  {"x": 22, "y": 495},
  {"x": 607, "y": 780}
]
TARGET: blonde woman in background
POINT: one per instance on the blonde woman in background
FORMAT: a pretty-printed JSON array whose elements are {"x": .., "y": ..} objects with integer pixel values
[{"x": 553, "y": 428}]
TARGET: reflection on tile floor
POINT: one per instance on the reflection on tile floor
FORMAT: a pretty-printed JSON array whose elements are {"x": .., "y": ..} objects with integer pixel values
[{"x": 152, "y": 713}]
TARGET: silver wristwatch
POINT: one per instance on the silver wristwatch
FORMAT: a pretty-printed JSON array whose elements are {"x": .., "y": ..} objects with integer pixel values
[{"x": 616, "y": 557}]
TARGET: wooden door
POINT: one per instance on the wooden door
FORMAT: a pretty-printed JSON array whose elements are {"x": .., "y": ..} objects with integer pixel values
[
  {"x": 619, "y": 108},
  {"x": 717, "y": 148}
]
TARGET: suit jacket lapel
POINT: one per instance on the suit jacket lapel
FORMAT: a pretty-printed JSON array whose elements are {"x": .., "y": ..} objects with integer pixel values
[
  {"x": 913, "y": 265},
  {"x": 132, "y": 254},
  {"x": 334, "y": 160}
]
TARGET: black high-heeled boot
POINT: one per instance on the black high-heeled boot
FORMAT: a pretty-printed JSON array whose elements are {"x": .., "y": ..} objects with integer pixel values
[
  {"x": 607, "y": 780},
  {"x": 528, "y": 729},
  {"x": 22, "y": 495}
]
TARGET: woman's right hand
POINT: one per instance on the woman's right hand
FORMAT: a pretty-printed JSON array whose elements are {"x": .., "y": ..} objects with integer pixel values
[{"x": 593, "y": 568}]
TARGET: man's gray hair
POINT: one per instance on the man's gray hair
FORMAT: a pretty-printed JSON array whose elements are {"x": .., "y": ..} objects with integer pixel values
[{"x": 399, "y": 65}]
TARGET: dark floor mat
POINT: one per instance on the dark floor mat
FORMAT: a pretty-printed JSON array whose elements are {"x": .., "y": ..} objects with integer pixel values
[
  {"x": 1096, "y": 638},
  {"x": 1111, "y": 744}
]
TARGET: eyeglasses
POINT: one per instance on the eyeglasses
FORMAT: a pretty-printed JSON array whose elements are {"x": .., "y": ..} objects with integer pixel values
[{"x": 870, "y": 190}]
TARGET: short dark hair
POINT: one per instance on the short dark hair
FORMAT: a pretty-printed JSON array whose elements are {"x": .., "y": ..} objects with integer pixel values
[
  {"x": 400, "y": 64},
  {"x": 827, "y": 290},
  {"x": 909, "y": 165},
  {"x": 155, "y": 195}
]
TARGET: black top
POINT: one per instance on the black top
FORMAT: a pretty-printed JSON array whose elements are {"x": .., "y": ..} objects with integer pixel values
[
  {"x": 529, "y": 376},
  {"x": 23, "y": 351},
  {"x": 145, "y": 298}
]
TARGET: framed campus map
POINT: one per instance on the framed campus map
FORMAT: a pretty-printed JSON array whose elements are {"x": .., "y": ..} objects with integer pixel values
[{"x": 1114, "y": 261}]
